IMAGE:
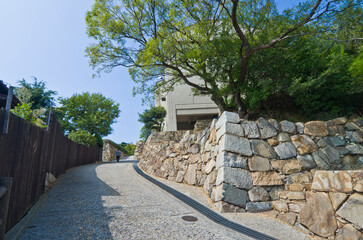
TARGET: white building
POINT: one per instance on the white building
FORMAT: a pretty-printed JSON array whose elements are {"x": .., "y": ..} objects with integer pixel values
[{"x": 183, "y": 108}]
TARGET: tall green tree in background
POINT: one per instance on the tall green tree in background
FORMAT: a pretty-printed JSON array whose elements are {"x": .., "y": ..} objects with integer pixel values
[
  {"x": 86, "y": 118},
  {"x": 35, "y": 93},
  {"x": 35, "y": 101},
  {"x": 152, "y": 119},
  {"x": 224, "y": 43}
]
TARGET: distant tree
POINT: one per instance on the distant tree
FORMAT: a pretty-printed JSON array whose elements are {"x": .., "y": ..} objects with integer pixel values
[
  {"x": 35, "y": 93},
  {"x": 127, "y": 148},
  {"x": 130, "y": 148},
  {"x": 152, "y": 120},
  {"x": 86, "y": 117}
]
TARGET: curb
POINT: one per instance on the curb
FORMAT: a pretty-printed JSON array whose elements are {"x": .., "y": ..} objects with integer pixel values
[{"x": 215, "y": 217}]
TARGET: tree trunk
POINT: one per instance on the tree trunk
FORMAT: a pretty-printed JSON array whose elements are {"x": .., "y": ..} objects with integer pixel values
[{"x": 220, "y": 103}]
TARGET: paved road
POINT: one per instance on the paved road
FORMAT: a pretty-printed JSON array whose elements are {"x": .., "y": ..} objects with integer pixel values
[{"x": 111, "y": 201}]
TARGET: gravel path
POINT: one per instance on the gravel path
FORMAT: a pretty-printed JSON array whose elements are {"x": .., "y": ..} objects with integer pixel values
[{"x": 111, "y": 201}]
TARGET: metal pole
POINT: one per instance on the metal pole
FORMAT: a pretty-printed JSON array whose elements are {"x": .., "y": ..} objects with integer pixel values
[{"x": 7, "y": 110}]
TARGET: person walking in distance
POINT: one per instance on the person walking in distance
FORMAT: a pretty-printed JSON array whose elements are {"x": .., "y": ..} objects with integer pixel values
[{"x": 118, "y": 155}]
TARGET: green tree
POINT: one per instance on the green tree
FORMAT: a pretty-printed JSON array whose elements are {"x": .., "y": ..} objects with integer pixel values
[
  {"x": 86, "y": 118},
  {"x": 214, "y": 40},
  {"x": 35, "y": 93},
  {"x": 152, "y": 119},
  {"x": 34, "y": 116}
]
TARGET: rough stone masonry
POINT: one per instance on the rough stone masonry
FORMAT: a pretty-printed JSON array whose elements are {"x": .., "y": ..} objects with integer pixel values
[{"x": 306, "y": 174}]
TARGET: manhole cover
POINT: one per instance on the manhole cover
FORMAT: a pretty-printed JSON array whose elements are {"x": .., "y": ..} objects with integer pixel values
[{"x": 190, "y": 218}]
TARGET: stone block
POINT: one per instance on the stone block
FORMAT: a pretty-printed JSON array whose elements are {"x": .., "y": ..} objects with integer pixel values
[
  {"x": 296, "y": 206},
  {"x": 180, "y": 176},
  {"x": 258, "y": 206},
  {"x": 224, "y": 207},
  {"x": 238, "y": 177},
  {"x": 285, "y": 150},
  {"x": 191, "y": 174},
  {"x": 262, "y": 148},
  {"x": 230, "y": 117},
  {"x": 273, "y": 142},
  {"x": 349, "y": 232},
  {"x": 266, "y": 179},
  {"x": 283, "y": 137},
  {"x": 303, "y": 144},
  {"x": 336, "y": 141},
  {"x": 286, "y": 166},
  {"x": 303, "y": 178},
  {"x": 358, "y": 186},
  {"x": 355, "y": 136},
  {"x": 352, "y": 209},
  {"x": 337, "y": 199},
  {"x": 210, "y": 166},
  {"x": 257, "y": 163},
  {"x": 299, "y": 127},
  {"x": 295, "y": 187},
  {"x": 316, "y": 128},
  {"x": 258, "y": 194},
  {"x": 332, "y": 154},
  {"x": 352, "y": 126},
  {"x": 288, "y": 127},
  {"x": 231, "y": 194},
  {"x": 275, "y": 124},
  {"x": 230, "y": 128},
  {"x": 337, "y": 121},
  {"x": 329, "y": 181},
  {"x": 355, "y": 149},
  {"x": 289, "y": 218},
  {"x": 290, "y": 195},
  {"x": 306, "y": 162},
  {"x": 318, "y": 215},
  {"x": 234, "y": 144},
  {"x": 226, "y": 159},
  {"x": 280, "y": 206},
  {"x": 321, "y": 160},
  {"x": 194, "y": 148},
  {"x": 274, "y": 192},
  {"x": 266, "y": 129},
  {"x": 321, "y": 143},
  {"x": 251, "y": 130}
]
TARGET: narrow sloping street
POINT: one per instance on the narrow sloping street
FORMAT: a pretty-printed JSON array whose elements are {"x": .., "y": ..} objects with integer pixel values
[{"x": 111, "y": 201}]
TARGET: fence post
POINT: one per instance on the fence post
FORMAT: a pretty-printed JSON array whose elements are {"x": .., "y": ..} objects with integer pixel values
[
  {"x": 7, "y": 110},
  {"x": 49, "y": 117},
  {"x": 5, "y": 190}
]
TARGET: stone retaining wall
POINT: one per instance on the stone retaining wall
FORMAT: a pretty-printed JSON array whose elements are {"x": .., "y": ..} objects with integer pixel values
[
  {"x": 109, "y": 151},
  {"x": 263, "y": 165}
]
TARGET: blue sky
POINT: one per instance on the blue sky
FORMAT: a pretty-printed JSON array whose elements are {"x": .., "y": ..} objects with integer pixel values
[{"x": 47, "y": 39}]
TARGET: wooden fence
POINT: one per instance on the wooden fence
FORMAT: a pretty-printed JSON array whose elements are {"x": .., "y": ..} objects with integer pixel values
[{"x": 28, "y": 152}]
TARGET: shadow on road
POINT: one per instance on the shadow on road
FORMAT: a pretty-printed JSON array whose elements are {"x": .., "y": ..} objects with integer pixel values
[{"x": 74, "y": 208}]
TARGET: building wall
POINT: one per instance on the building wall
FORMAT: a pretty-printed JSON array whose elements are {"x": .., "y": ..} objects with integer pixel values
[{"x": 182, "y": 106}]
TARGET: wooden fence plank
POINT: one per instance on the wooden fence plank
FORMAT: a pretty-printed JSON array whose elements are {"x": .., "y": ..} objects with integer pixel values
[{"x": 28, "y": 152}]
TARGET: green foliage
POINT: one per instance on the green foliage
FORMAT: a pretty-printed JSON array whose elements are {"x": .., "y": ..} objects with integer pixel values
[
  {"x": 83, "y": 137},
  {"x": 127, "y": 148},
  {"x": 35, "y": 93},
  {"x": 24, "y": 111},
  {"x": 87, "y": 113},
  {"x": 152, "y": 120},
  {"x": 246, "y": 53}
]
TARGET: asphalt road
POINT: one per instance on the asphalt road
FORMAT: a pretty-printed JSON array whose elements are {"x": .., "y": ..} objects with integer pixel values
[{"x": 111, "y": 201}]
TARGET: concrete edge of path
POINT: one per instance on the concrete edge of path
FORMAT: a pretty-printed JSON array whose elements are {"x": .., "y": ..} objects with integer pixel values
[
  {"x": 217, "y": 218},
  {"x": 16, "y": 231}
]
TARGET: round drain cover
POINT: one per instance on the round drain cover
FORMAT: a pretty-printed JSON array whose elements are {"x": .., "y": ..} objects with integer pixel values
[{"x": 190, "y": 218}]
